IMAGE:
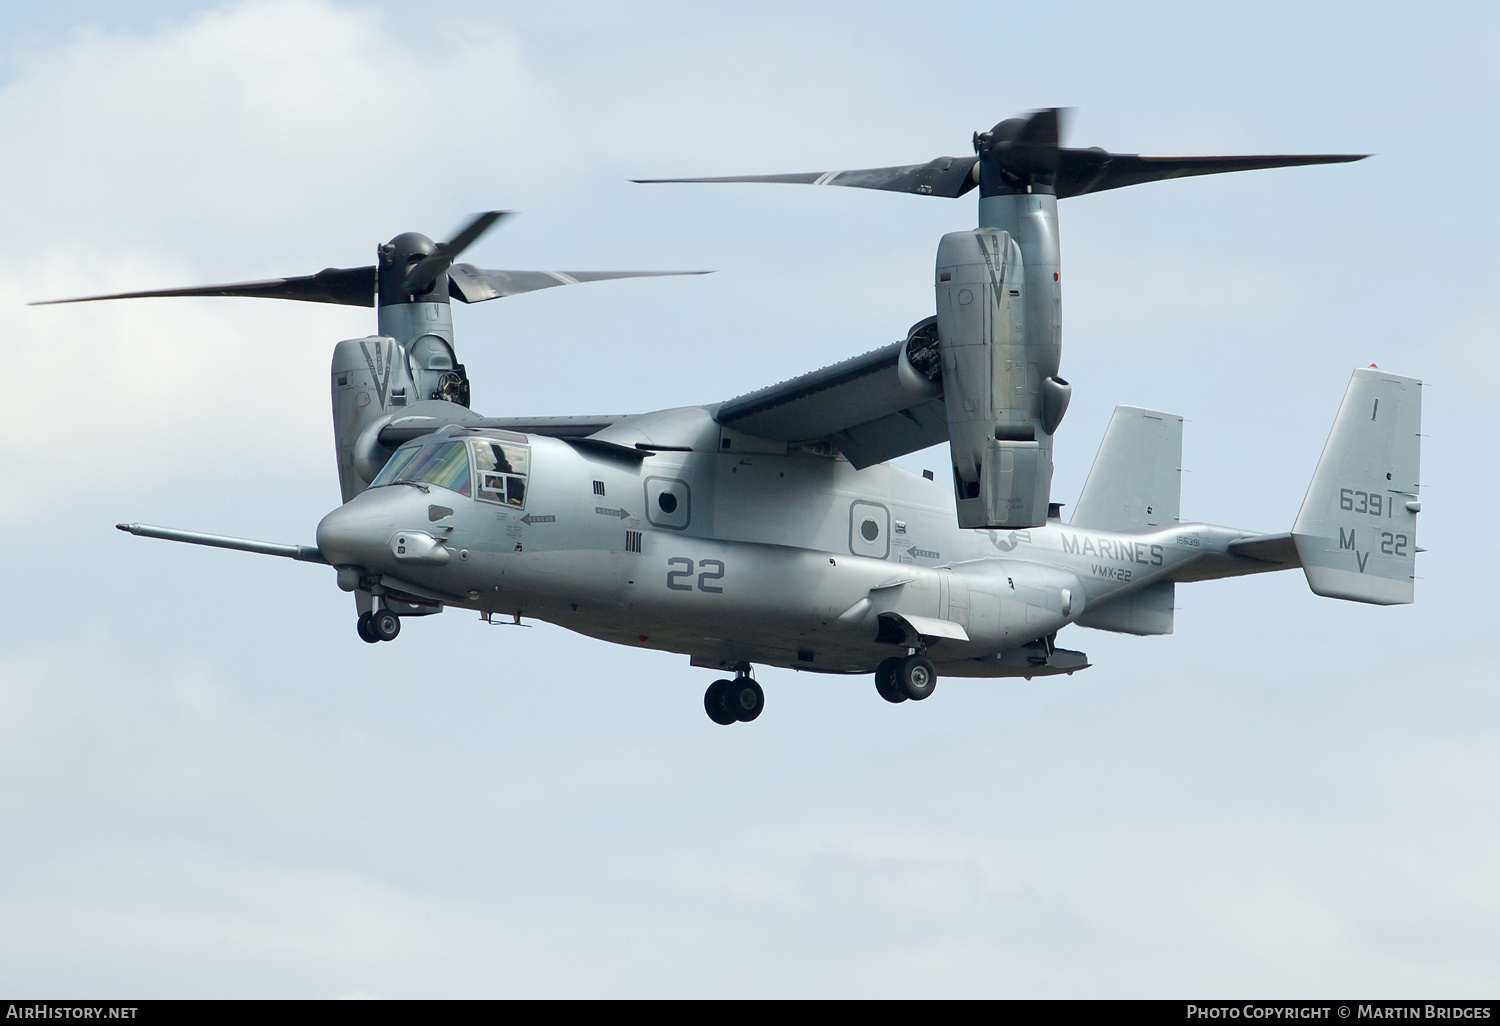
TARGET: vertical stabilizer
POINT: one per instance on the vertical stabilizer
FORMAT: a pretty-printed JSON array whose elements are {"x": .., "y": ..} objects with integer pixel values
[
  {"x": 1136, "y": 480},
  {"x": 1357, "y": 530}
]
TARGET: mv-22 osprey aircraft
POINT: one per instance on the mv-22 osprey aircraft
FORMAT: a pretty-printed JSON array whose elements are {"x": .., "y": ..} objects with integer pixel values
[{"x": 769, "y": 528}]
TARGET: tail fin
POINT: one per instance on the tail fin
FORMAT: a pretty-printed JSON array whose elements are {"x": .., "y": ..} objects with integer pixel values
[
  {"x": 1357, "y": 530},
  {"x": 1136, "y": 480}
]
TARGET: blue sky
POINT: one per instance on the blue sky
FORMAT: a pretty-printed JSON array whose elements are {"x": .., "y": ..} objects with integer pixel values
[{"x": 211, "y": 787}]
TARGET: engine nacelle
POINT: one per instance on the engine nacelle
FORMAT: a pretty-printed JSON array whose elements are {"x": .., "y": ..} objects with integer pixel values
[
  {"x": 919, "y": 365},
  {"x": 1000, "y": 385},
  {"x": 377, "y": 379},
  {"x": 370, "y": 379}
]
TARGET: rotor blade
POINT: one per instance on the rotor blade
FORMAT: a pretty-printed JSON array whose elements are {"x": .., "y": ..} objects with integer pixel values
[
  {"x": 348, "y": 286},
  {"x": 1041, "y": 131},
  {"x": 470, "y": 284},
  {"x": 475, "y": 228},
  {"x": 945, "y": 176},
  {"x": 1083, "y": 171},
  {"x": 425, "y": 272}
]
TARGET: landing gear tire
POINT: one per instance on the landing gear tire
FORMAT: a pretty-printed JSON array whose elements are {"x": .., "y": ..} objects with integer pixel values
[
  {"x": 745, "y": 699},
  {"x": 885, "y": 680},
  {"x": 385, "y": 625},
  {"x": 363, "y": 628},
  {"x": 716, "y": 703},
  {"x": 916, "y": 677}
]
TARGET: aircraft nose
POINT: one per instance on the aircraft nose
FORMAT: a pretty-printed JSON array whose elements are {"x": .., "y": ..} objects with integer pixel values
[
  {"x": 341, "y": 538},
  {"x": 356, "y": 533}
]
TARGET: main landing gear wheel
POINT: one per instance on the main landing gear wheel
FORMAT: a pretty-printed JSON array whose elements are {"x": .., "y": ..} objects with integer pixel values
[
  {"x": 916, "y": 677},
  {"x": 385, "y": 625},
  {"x": 745, "y": 699},
  {"x": 885, "y": 680},
  {"x": 363, "y": 628},
  {"x": 716, "y": 703}
]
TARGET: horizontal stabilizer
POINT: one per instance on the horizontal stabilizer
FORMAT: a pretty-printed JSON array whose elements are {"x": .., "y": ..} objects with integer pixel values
[
  {"x": 1136, "y": 479},
  {"x": 1234, "y": 556},
  {"x": 1356, "y": 533},
  {"x": 1268, "y": 548}
]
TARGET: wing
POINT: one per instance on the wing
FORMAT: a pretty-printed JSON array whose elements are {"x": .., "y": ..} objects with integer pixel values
[
  {"x": 404, "y": 429},
  {"x": 555, "y": 427},
  {"x": 858, "y": 405}
]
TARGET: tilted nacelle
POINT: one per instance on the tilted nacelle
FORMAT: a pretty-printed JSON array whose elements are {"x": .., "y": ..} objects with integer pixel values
[
  {"x": 382, "y": 376},
  {"x": 999, "y": 357}
]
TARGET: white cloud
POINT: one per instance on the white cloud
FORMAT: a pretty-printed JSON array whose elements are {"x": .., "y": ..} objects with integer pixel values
[
  {"x": 258, "y": 125},
  {"x": 1103, "y": 836},
  {"x": 255, "y": 140}
]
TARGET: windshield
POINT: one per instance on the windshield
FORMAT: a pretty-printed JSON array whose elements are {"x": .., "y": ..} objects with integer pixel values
[
  {"x": 445, "y": 464},
  {"x": 393, "y": 465}
]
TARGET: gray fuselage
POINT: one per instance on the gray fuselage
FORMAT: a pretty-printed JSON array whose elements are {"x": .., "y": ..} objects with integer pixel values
[{"x": 735, "y": 551}]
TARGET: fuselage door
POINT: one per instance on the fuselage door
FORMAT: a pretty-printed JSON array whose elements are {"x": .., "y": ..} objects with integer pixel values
[{"x": 869, "y": 530}]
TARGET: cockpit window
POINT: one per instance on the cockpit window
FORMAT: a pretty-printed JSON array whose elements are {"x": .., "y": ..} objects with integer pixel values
[
  {"x": 445, "y": 464},
  {"x": 502, "y": 471},
  {"x": 393, "y": 466}
]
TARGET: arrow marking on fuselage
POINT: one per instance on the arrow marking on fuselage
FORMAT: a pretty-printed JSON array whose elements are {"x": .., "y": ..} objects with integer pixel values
[
  {"x": 531, "y": 519},
  {"x": 621, "y": 513}
]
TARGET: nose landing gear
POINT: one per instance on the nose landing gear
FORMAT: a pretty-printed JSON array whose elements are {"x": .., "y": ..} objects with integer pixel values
[
  {"x": 734, "y": 701},
  {"x": 898, "y": 678},
  {"x": 379, "y": 625}
]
